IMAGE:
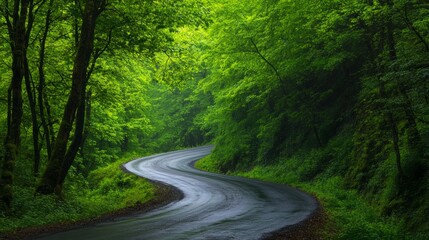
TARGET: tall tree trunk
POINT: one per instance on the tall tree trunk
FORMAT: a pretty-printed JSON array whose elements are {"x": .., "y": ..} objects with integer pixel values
[
  {"x": 87, "y": 128},
  {"x": 395, "y": 135},
  {"x": 77, "y": 140},
  {"x": 35, "y": 127},
  {"x": 50, "y": 178},
  {"x": 17, "y": 33},
  {"x": 30, "y": 89},
  {"x": 376, "y": 69},
  {"x": 390, "y": 41},
  {"x": 29, "y": 85},
  {"x": 42, "y": 83},
  {"x": 87, "y": 124},
  {"x": 413, "y": 134}
]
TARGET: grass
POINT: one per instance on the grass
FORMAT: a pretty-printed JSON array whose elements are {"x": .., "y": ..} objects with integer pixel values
[
  {"x": 108, "y": 189},
  {"x": 351, "y": 216}
]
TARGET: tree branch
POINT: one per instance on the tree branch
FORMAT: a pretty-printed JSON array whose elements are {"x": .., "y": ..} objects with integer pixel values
[
  {"x": 98, "y": 53},
  {"x": 257, "y": 51},
  {"x": 412, "y": 28}
]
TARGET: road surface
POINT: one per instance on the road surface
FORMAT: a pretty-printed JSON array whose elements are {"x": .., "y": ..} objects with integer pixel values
[{"x": 214, "y": 206}]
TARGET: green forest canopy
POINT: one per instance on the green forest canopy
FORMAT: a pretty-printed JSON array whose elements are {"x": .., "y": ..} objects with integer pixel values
[{"x": 341, "y": 87}]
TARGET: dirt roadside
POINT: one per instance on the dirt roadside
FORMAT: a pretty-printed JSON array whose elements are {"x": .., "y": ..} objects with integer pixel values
[{"x": 311, "y": 228}]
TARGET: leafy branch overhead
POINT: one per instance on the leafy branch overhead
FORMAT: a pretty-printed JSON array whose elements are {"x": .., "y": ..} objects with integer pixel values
[{"x": 328, "y": 94}]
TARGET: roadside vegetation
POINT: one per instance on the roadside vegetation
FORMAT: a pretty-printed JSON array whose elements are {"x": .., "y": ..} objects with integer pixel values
[
  {"x": 349, "y": 214},
  {"x": 329, "y": 96},
  {"x": 85, "y": 86},
  {"x": 106, "y": 190}
]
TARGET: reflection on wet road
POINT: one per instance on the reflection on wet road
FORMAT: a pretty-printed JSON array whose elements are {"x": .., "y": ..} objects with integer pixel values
[{"x": 214, "y": 206}]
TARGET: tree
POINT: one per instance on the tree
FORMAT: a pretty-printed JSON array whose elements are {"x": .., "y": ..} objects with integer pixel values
[
  {"x": 16, "y": 19},
  {"x": 391, "y": 71},
  {"x": 284, "y": 76},
  {"x": 51, "y": 179},
  {"x": 126, "y": 29}
]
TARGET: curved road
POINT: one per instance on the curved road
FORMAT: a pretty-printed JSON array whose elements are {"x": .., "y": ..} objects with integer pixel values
[{"x": 214, "y": 206}]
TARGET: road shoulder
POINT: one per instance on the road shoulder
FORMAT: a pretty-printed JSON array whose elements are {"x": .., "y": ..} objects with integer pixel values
[
  {"x": 312, "y": 228},
  {"x": 164, "y": 195}
]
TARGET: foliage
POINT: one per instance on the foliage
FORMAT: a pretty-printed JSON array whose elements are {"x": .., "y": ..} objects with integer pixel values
[
  {"x": 132, "y": 40},
  {"x": 110, "y": 189},
  {"x": 324, "y": 89},
  {"x": 275, "y": 87},
  {"x": 312, "y": 93},
  {"x": 349, "y": 213},
  {"x": 107, "y": 189}
]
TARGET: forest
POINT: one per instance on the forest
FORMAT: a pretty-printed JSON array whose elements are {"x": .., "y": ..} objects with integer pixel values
[{"x": 328, "y": 96}]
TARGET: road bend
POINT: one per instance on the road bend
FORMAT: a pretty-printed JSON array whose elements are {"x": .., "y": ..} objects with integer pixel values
[{"x": 214, "y": 206}]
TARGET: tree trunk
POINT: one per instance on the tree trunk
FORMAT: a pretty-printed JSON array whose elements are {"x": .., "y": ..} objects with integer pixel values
[
  {"x": 17, "y": 33},
  {"x": 87, "y": 124},
  {"x": 395, "y": 134},
  {"x": 76, "y": 142},
  {"x": 414, "y": 140},
  {"x": 386, "y": 36},
  {"x": 29, "y": 85},
  {"x": 42, "y": 83},
  {"x": 393, "y": 125},
  {"x": 49, "y": 182},
  {"x": 395, "y": 137},
  {"x": 35, "y": 127},
  {"x": 413, "y": 134}
]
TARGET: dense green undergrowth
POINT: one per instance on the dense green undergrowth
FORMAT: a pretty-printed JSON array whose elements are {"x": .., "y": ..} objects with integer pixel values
[
  {"x": 105, "y": 190},
  {"x": 351, "y": 215}
]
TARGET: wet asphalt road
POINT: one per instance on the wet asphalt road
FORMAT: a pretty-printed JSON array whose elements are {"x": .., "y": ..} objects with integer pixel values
[{"x": 214, "y": 206}]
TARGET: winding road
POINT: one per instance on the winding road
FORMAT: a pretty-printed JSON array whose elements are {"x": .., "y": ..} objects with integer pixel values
[{"x": 214, "y": 206}]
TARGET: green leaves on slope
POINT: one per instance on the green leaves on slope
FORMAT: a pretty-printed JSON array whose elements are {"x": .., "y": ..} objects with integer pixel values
[{"x": 276, "y": 67}]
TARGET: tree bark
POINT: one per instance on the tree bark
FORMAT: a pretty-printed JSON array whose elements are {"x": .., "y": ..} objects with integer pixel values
[
  {"x": 17, "y": 35},
  {"x": 29, "y": 85},
  {"x": 87, "y": 124},
  {"x": 35, "y": 127},
  {"x": 50, "y": 180},
  {"x": 76, "y": 142},
  {"x": 42, "y": 99}
]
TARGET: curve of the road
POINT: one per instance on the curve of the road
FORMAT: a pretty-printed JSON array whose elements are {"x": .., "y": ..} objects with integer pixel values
[{"x": 214, "y": 206}]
